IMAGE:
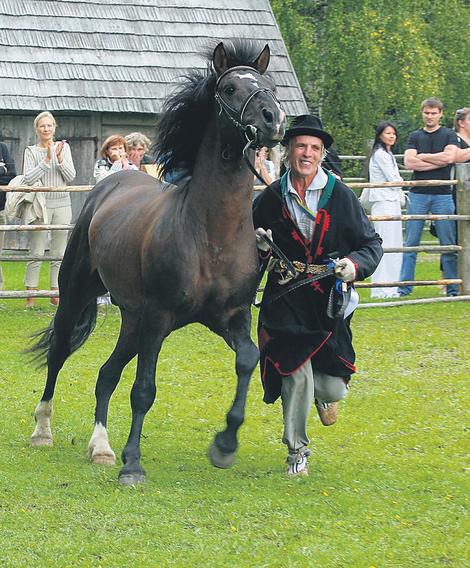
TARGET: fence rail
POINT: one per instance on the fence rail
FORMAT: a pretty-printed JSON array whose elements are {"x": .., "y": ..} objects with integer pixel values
[{"x": 462, "y": 248}]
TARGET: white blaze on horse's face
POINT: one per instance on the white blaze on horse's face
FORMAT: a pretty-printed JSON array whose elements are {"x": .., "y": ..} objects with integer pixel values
[{"x": 250, "y": 77}]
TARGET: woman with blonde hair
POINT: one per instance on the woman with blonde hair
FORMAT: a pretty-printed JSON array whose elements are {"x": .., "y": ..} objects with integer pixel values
[
  {"x": 48, "y": 163},
  {"x": 113, "y": 157}
]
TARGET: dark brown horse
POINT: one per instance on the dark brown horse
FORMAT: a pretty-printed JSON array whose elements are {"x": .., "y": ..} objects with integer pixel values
[{"x": 171, "y": 256}]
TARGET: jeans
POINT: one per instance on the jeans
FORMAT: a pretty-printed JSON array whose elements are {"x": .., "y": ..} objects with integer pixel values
[{"x": 422, "y": 204}]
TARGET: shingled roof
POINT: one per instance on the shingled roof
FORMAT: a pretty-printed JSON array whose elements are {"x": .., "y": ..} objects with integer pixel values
[{"x": 98, "y": 55}]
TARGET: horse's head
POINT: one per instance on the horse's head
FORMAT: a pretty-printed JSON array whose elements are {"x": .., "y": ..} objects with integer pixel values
[{"x": 247, "y": 98}]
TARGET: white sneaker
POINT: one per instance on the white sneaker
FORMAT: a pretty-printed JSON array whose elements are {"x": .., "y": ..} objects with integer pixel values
[{"x": 300, "y": 465}]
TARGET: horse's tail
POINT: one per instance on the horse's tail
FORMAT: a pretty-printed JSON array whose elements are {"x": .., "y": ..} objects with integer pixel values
[{"x": 80, "y": 333}]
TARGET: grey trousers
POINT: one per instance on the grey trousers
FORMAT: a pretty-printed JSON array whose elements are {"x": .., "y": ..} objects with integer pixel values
[
  {"x": 3, "y": 221},
  {"x": 38, "y": 241},
  {"x": 298, "y": 391}
]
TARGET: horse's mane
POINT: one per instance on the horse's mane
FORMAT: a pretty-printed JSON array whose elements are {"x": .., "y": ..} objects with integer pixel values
[{"x": 186, "y": 112}]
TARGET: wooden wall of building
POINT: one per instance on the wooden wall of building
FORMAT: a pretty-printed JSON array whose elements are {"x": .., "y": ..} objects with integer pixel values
[{"x": 85, "y": 133}]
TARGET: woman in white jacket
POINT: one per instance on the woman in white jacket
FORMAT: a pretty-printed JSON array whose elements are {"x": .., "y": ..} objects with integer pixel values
[
  {"x": 48, "y": 163},
  {"x": 386, "y": 201}
]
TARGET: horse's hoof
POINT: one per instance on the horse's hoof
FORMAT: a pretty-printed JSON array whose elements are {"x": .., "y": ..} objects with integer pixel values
[
  {"x": 131, "y": 479},
  {"x": 41, "y": 441},
  {"x": 220, "y": 459},
  {"x": 108, "y": 459}
]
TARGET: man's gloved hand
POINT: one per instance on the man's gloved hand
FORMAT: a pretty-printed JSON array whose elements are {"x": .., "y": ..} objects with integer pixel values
[
  {"x": 260, "y": 242},
  {"x": 345, "y": 270},
  {"x": 3, "y": 169}
]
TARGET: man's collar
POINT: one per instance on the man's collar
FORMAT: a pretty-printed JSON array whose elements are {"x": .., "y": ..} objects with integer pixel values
[{"x": 319, "y": 181}]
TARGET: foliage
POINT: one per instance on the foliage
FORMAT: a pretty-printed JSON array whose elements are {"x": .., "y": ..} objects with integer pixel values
[
  {"x": 387, "y": 487},
  {"x": 374, "y": 59}
]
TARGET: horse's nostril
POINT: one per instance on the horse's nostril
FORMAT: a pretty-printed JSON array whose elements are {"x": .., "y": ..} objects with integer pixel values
[{"x": 268, "y": 115}]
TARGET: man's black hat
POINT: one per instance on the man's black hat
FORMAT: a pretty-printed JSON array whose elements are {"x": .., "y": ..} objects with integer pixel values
[{"x": 307, "y": 124}]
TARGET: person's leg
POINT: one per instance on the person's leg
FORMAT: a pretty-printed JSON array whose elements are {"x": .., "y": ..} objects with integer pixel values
[
  {"x": 328, "y": 391},
  {"x": 37, "y": 245},
  {"x": 2, "y": 236},
  {"x": 389, "y": 266},
  {"x": 297, "y": 398},
  {"x": 446, "y": 233},
  {"x": 59, "y": 216},
  {"x": 418, "y": 204}
]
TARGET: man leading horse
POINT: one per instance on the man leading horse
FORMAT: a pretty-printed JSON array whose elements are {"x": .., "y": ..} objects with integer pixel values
[{"x": 325, "y": 242}]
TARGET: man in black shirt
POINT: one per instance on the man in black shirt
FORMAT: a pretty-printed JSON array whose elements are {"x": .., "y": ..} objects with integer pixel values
[{"x": 430, "y": 154}]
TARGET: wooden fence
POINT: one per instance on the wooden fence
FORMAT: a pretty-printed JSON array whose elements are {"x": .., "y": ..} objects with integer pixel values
[{"x": 463, "y": 204}]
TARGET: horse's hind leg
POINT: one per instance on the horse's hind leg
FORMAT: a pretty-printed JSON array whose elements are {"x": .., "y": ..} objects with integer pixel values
[
  {"x": 72, "y": 323},
  {"x": 99, "y": 449},
  {"x": 57, "y": 352},
  {"x": 223, "y": 448}
]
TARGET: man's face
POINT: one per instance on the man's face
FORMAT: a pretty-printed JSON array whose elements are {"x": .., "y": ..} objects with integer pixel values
[
  {"x": 431, "y": 116},
  {"x": 305, "y": 155}
]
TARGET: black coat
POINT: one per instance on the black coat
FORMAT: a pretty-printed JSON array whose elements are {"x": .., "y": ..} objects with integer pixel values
[
  {"x": 9, "y": 174},
  {"x": 296, "y": 327}
]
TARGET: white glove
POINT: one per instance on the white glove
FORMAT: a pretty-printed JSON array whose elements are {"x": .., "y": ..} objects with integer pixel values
[
  {"x": 260, "y": 242},
  {"x": 345, "y": 270}
]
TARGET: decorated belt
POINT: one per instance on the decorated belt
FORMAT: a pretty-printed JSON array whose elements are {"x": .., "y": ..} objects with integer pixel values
[{"x": 302, "y": 268}]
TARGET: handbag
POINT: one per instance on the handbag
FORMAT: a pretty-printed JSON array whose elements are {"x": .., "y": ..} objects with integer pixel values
[
  {"x": 403, "y": 198},
  {"x": 364, "y": 199},
  {"x": 16, "y": 202}
]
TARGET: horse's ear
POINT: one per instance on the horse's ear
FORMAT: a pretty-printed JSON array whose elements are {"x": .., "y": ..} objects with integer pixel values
[
  {"x": 262, "y": 61},
  {"x": 220, "y": 59}
]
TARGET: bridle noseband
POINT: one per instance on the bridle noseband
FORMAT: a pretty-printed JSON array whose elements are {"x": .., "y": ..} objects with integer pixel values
[{"x": 236, "y": 117}]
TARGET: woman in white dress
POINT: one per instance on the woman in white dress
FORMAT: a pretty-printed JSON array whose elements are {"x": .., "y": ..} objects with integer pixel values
[{"x": 386, "y": 201}]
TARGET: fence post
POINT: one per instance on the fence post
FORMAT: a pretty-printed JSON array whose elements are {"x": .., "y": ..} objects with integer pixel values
[{"x": 462, "y": 172}]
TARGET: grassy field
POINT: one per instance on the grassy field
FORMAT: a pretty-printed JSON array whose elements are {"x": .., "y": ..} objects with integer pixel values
[{"x": 388, "y": 483}]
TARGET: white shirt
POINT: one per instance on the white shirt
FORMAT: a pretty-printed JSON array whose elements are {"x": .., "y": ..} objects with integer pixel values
[
  {"x": 383, "y": 167},
  {"x": 312, "y": 197}
]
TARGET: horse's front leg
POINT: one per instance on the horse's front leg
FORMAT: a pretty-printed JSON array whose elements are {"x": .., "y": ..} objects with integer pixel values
[
  {"x": 142, "y": 397},
  {"x": 99, "y": 448},
  {"x": 223, "y": 449}
]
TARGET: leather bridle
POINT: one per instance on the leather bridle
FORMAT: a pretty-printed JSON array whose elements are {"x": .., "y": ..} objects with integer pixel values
[{"x": 236, "y": 116}]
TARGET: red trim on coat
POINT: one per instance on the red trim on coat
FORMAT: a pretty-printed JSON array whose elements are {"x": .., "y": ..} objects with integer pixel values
[
  {"x": 348, "y": 364},
  {"x": 276, "y": 364},
  {"x": 322, "y": 213}
]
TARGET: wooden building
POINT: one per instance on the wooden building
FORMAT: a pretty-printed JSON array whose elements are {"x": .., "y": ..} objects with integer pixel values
[{"x": 104, "y": 67}]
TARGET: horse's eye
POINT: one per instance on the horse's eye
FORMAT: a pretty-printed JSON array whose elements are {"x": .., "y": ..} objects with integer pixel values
[{"x": 229, "y": 90}]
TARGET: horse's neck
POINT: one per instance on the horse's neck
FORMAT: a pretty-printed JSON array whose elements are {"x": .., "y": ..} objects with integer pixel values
[{"x": 221, "y": 186}]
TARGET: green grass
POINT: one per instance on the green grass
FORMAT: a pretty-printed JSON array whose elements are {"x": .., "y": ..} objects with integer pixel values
[{"x": 388, "y": 483}]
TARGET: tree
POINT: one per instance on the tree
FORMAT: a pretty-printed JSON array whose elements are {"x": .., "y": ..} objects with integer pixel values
[{"x": 362, "y": 61}]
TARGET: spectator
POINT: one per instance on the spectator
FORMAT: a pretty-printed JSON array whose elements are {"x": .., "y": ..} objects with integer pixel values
[
  {"x": 138, "y": 145},
  {"x": 386, "y": 201},
  {"x": 113, "y": 158},
  {"x": 7, "y": 173},
  {"x": 305, "y": 337},
  {"x": 462, "y": 128},
  {"x": 430, "y": 153},
  {"x": 48, "y": 163},
  {"x": 264, "y": 167}
]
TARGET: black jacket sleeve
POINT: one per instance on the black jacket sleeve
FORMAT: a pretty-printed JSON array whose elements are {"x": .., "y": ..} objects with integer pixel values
[{"x": 7, "y": 173}]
